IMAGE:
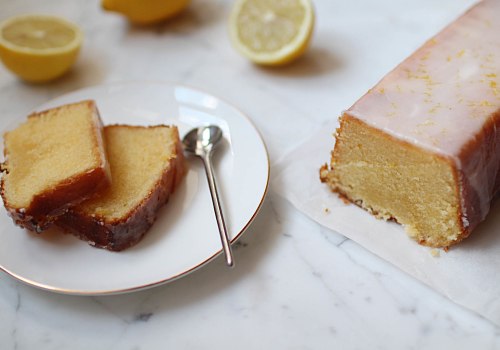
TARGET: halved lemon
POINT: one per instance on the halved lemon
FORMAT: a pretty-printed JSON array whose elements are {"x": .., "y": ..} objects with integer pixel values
[
  {"x": 271, "y": 32},
  {"x": 39, "y": 48},
  {"x": 146, "y": 12}
]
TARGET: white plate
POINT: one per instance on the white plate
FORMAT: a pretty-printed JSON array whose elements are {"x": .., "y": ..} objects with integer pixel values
[{"x": 185, "y": 235}]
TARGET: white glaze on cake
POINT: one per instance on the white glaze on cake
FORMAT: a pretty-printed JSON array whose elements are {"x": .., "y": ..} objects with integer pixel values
[{"x": 442, "y": 96}]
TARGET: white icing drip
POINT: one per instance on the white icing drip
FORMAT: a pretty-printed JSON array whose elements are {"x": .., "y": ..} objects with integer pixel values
[{"x": 465, "y": 221}]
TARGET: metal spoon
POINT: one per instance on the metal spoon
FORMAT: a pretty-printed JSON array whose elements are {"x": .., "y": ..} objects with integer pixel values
[{"x": 201, "y": 142}]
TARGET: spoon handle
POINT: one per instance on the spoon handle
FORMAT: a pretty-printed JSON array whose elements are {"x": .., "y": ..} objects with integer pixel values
[{"x": 207, "y": 161}]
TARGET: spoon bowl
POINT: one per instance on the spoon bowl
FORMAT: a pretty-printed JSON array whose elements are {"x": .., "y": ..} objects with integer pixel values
[{"x": 202, "y": 140}]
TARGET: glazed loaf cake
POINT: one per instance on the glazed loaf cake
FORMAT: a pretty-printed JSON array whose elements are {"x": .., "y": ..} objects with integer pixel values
[
  {"x": 146, "y": 164},
  {"x": 54, "y": 160},
  {"x": 423, "y": 146}
]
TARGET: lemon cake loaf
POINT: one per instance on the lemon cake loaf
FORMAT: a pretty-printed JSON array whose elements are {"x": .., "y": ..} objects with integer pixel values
[
  {"x": 146, "y": 164},
  {"x": 54, "y": 160},
  {"x": 422, "y": 147}
]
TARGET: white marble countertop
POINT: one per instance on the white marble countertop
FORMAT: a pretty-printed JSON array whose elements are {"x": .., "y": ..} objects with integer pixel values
[{"x": 296, "y": 285}]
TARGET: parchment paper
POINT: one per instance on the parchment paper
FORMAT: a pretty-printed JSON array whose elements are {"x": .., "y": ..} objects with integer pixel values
[{"x": 468, "y": 274}]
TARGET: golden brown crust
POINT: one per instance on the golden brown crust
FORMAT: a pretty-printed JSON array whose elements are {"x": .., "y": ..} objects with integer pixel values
[
  {"x": 485, "y": 149},
  {"x": 47, "y": 206},
  {"x": 117, "y": 235}
]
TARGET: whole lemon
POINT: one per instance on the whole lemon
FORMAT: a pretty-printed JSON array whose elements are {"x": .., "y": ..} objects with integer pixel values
[{"x": 145, "y": 12}]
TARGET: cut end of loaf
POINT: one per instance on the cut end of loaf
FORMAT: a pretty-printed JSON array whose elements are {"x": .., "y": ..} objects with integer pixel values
[{"x": 396, "y": 180}]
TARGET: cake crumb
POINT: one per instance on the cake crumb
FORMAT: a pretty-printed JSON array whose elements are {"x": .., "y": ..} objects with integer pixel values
[
  {"x": 327, "y": 210},
  {"x": 435, "y": 253}
]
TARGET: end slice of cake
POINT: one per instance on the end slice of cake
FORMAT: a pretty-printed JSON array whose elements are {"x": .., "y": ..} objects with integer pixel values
[
  {"x": 54, "y": 160},
  {"x": 147, "y": 163},
  {"x": 423, "y": 146}
]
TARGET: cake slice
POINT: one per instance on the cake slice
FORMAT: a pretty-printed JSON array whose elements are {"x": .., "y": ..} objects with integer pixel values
[
  {"x": 147, "y": 164},
  {"x": 54, "y": 160},
  {"x": 423, "y": 146}
]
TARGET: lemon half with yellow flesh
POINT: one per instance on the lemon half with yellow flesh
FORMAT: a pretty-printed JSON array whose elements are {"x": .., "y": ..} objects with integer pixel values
[
  {"x": 271, "y": 32},
  {"x": 39, "y": 48}
]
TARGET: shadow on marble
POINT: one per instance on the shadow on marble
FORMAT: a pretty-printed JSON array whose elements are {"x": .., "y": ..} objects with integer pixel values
[
  {"x": 316, "y": 61},
  {"x": 198, "y": 287}
]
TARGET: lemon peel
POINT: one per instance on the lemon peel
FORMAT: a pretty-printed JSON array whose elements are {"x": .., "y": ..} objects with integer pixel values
[{"x": 144, "y": 12}]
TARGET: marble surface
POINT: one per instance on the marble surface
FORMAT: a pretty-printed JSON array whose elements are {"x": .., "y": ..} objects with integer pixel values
[{"x": 296, "y": 285}]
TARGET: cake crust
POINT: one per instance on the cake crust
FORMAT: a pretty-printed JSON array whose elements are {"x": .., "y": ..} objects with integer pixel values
[
  {"x": 48, "y": 206},
  {"x": 481, "y": 152}
]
